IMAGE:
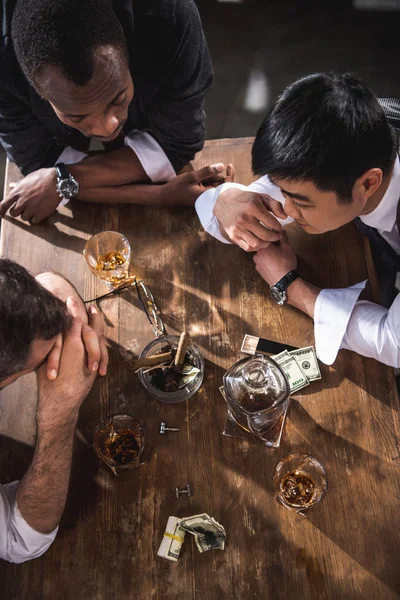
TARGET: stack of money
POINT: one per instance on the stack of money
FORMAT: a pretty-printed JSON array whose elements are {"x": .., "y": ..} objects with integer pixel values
[
  {"x": 173, "y": 538},
  {"x": 300, "y": 366},
  {"x": 208, "y": 533}
]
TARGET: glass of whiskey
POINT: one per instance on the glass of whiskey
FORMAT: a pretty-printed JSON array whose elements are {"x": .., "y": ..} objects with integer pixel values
[
  {"x": 108, "y": 255},
  {"x": 300, "y": 482},
  {"x": 119, "y": 441}
]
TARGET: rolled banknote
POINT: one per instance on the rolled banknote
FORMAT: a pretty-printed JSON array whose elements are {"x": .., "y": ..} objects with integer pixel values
[
  {"x": 173, "y": 538},
  {"x": 208, "y": 533},
  {"x": 308, "y": 362}
]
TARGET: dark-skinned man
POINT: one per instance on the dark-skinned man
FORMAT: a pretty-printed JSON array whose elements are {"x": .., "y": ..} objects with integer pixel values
[{"x": 130, "y": 74}]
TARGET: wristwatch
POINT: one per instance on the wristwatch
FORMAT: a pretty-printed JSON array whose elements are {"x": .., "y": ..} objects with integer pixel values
[
  {"x": 278, "y": 291},
  {"x": 67, "y": 185}
]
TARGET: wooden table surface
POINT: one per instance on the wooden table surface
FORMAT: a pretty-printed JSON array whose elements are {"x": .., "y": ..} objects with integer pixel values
[{"x": 347, "y": 547}]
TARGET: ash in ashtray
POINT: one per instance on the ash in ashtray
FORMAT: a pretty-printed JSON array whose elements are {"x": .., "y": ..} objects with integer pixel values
[{"x": 169, "y": 377}]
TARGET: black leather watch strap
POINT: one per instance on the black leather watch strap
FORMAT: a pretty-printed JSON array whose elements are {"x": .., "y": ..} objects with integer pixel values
[
  {"x": 284, "y": 283},
  {"x": 62, "y": 171}
]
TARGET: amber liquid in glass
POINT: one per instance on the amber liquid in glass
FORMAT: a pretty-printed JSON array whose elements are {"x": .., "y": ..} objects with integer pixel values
[
  {"x": 123, "y": 446},
  {"x": 298, "y": 489},
  {"x": 113, "y": 265}
]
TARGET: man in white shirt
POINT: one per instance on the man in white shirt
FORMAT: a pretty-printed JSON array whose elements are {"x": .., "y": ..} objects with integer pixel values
[
  {"x": 44, "y": 327},
  {"x": 326, "y": 155}
]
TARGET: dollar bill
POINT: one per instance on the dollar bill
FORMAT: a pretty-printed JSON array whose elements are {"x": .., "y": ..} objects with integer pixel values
[
  {"x": 308, "y": 362},
  {"x": 171, "y": 544},
  {"x": 208, "y": 533},
  {"x": 281, "y": 355},
  {"x": 297, "y": 379}
]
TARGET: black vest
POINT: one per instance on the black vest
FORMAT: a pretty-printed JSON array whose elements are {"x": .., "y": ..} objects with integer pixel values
[{"x": 387, "y": 261}]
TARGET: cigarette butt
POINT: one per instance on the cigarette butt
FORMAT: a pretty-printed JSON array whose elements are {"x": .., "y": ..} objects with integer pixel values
[{"x": 182, "y": 347}]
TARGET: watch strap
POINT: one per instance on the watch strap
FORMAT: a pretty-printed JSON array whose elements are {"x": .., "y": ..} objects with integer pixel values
[
  {"x": 287, "y": 279},
  {"x": 62, "y": 171}
]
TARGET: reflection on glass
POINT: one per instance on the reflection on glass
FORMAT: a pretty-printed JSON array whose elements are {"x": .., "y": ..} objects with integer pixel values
[
  {"x": 300, "y": 481},
  {"x": 108, "y": 255},
  {"x": 119, "y": 442}
]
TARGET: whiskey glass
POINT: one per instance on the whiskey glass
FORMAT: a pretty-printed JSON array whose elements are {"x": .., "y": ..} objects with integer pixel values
[
  {"x": 300, "y": 482},
  {"x": 107, "y": 255},
  {"x": 119, "y": 441}
]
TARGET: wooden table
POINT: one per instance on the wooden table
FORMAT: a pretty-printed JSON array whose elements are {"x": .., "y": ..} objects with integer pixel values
[{"x": 347, "y": 547}]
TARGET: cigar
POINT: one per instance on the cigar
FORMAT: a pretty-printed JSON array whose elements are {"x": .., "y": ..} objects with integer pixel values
[
  {"x": 182, "y": 348},
  {"x": 150, "y": 361}
]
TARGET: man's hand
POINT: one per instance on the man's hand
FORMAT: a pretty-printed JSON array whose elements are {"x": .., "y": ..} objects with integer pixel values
[
  {"x": 247, "y": 218},
  {"x": 94, "y": 342},
  {"x": 184, "y": 189},
  {"x": 275, "y": 262},
  {"x": 59, "y": 400},
  {"x": 33, "y": 198}
]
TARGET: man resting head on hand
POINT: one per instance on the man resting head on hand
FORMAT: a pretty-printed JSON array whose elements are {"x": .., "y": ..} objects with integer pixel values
[{"x": 44, "y": 327}]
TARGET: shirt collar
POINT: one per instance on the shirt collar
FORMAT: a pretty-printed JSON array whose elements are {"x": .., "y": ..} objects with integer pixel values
[{"x": 383, "y": 217}]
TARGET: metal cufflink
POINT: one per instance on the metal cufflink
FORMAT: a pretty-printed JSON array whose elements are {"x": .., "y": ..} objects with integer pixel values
[
  {"x": 164, "y": 428},
  {"x": 187, "y": 490}
]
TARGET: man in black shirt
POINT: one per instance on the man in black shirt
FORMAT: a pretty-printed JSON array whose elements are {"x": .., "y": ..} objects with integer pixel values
[{"x": 132, "y": 74}]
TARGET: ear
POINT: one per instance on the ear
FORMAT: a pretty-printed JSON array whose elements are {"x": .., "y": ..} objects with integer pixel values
[{"x": 369, "y": 183}]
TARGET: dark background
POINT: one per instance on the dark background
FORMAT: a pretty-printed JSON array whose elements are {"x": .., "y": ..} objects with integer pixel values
[{"x": 258, "y": 47}]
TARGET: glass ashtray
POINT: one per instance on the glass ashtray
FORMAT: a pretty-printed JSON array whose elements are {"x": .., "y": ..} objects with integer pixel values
[{"x": 184, "y": 384}]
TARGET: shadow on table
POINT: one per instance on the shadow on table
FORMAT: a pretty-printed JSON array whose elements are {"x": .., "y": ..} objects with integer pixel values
[{"x": 354, "y": 486}]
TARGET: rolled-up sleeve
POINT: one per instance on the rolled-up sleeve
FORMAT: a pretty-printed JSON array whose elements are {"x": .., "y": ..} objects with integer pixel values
[
  {"x": 374, "y": 331},
  {"x": 152, "y": 157},
  {"x": 18, "y": 541},
  {"x": 343, "y": 321}
]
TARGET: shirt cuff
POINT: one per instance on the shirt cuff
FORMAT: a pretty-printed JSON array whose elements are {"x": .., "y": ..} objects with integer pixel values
[
  {"x": 70, "y": 156},
  {"x": 205, "y": 205},
  {"x": 332, "y": 312},
  {"x": 153, "y": 159},
  {"x": 24, "y": 542}
]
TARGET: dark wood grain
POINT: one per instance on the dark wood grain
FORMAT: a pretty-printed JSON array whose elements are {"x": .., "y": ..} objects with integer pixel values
[{"x": 347, "y": 547}]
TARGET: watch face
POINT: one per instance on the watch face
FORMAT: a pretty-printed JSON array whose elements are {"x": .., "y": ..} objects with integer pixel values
[
  {"x": 277, "y": 295},
  {"x": 68, "y": 188}
]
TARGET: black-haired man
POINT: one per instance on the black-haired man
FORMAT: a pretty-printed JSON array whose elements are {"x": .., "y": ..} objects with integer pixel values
[
  {"x": 44, "y": 327},
  {"x": 326, "y": 155},
  {"x": 131, "y": 74}
]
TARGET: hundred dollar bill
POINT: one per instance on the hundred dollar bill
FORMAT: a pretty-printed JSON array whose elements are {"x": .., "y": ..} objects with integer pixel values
[
  {"x": 297, "y": 379},
  {"x": 171, "y": 545},
  {"x": 279, "y": 356},
  {"x": 308, "y": 362},
  {"x": 208, "y": 533}
]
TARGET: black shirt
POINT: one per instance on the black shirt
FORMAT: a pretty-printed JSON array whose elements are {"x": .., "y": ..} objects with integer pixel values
[{"x": 171, "y": 71}]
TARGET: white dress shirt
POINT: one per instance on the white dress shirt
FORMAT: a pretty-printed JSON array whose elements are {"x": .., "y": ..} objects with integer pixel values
[
  {"x": 340, "y": 319},
  {"x": 152, "y": 157},
  {"x": 18, "y": 541}
]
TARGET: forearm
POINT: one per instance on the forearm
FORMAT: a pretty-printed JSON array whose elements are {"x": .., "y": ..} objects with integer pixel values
[
  {"x": 114, "y": 168},
  {"x": 147, "y": 195},
  {"x": 42, "y": 492},
  {"x": 303, "y": 295}
]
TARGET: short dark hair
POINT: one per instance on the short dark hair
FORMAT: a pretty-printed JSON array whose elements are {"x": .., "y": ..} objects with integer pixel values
[
  {"x": 325, "y": 128},
  {"x": 28, "y": 312},
  {"x": 64, "y": 34}
]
